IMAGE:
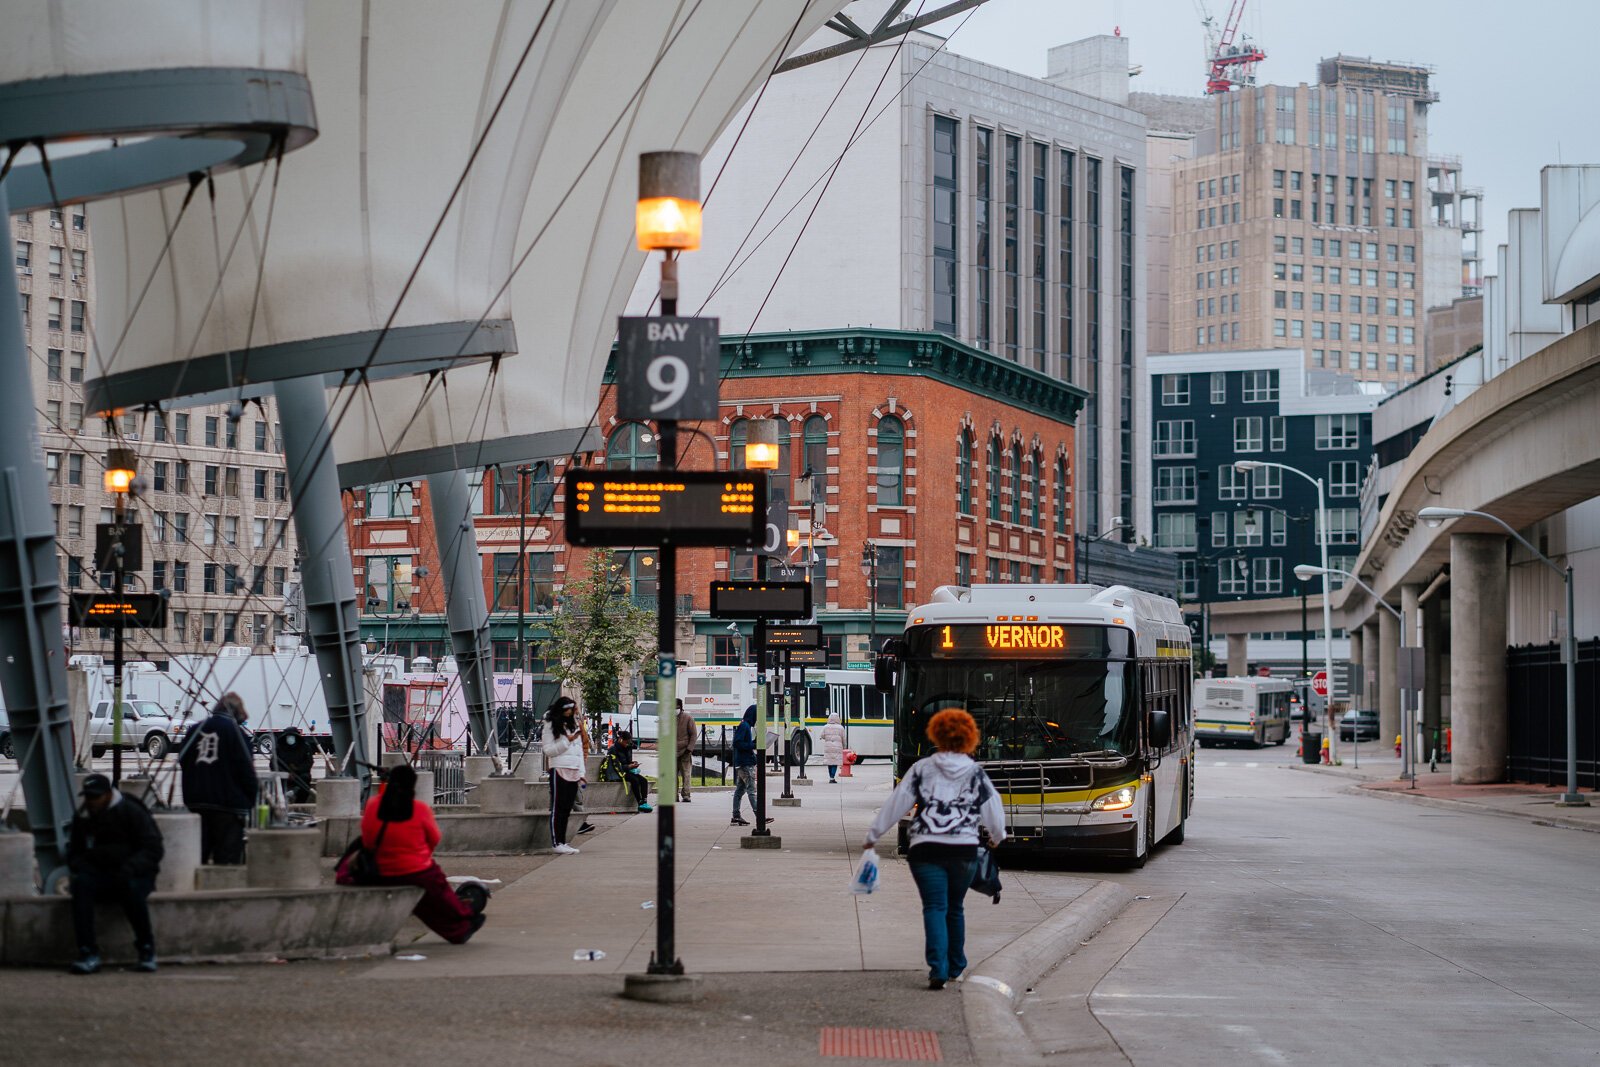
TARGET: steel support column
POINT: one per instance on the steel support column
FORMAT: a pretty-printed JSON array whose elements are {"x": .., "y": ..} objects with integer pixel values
[
  {"x": 467, "y": 612},
  {"x": 333, "y": 616},
  {"x": 33, "y": 669}
]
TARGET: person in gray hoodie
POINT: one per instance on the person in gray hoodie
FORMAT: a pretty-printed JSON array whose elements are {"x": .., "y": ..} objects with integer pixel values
[{"x": 949, "y": 798}]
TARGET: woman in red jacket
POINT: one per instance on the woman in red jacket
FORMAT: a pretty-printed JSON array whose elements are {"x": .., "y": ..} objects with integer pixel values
[{"x": 401, "y": 831}]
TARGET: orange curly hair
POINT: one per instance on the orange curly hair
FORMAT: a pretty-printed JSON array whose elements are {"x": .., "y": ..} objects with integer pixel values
[{"x": 952, "y": 730}]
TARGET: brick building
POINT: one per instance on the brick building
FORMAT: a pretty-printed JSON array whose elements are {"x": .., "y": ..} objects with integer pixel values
[{"x": 955, "y": 463}]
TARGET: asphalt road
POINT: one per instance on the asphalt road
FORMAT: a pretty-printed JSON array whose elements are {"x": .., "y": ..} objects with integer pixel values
[{"x": 1300, "y": 923}]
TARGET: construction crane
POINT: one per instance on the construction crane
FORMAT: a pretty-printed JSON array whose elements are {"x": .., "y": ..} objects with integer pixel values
[{"x": 1229, "y": 65}]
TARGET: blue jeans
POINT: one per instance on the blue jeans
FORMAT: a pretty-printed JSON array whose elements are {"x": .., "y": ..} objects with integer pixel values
[
  {"x": 744, "y": 785},
  {"x": 943, "y": 884}
]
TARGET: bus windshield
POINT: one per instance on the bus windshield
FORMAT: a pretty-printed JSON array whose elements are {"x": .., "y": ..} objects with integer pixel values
[{"x": 1025, "y": 709}]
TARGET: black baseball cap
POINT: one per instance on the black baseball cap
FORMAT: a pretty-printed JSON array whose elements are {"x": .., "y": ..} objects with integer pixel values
[{"x": 96, "y": 785}]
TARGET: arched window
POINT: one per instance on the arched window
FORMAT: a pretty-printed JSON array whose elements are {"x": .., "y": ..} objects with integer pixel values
[
  {"x": 1016, "y": 484},
  {"x": 631, "y": 448},
  {"x": 779, "y": 482},
  {"x": 738, "y": 431},
  {"x": 1035, "y": 490},
  {"x": 1062, "y": 489},
  {"x": 964, "y": 473},
  {"x": 814, "y": 458},
  {"x": 891, "y": 461},
  {"x": 994, "y": 477}
]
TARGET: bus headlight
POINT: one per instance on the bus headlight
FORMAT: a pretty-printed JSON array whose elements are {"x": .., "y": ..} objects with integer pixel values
[{"x": 1113, "y": 801}]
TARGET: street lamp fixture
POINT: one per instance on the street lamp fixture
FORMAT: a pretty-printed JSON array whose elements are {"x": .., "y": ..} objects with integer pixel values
[
  {"x": 1434, "y": 517},
  {"x": 869, "y": 571},
  {"x": 667, "y": 215},
  {"x": 121, "y": 469},
  {"x": 761, "y": 445}
]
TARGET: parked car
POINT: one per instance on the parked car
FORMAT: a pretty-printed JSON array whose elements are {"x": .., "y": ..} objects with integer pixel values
[
  {"x": 144, "y": 725},
  {"x": 642, "y": 721},
  {"x": 1359, "y": 724}
]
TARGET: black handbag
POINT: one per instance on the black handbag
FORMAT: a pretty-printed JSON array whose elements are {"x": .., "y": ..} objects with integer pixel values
[
  {"x": 359, "y": 864},
  {"x": 986, "y": 875}
]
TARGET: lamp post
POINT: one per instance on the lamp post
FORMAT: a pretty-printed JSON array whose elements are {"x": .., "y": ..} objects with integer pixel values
[
  {"x": 761, "y": 452},
  {"x": 1569, "y": 652},
  {"x": 1327, "y": 605},
  {"x": 523, "y": 473},
  {"x": 667, "y": 220},
  {"x": 869, "y": 571},
  {"x": 1306, "y": 572},
  {"x": 120, "y": 473}
]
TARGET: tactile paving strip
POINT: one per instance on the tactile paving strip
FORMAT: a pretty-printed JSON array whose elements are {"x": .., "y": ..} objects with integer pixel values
[{"x": 868, "y": 1043}]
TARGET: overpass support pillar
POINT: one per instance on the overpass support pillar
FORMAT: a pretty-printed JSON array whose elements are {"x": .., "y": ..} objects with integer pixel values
[
  {"x": 1371, "y": 663},
  {"x": 1238, "y": 655},
  {"x": 1478, "y": 713},
  {"x": 1433, "y": 681},
  {"x": 1388, "y": 678}
]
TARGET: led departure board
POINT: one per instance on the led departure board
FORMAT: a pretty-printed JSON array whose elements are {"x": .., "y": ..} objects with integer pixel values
[
  {"x": 761, "y": 600},
  {"x": 790, "y": 636},
  {"x": 109, "y": 610},
  {"x": 1017, "y": 640},
  {"x": 693, "y": 509}
]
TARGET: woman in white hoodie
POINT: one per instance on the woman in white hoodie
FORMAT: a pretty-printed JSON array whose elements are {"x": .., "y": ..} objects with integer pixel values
[
  {"x": 563, "y": 756},
  {"x": 949, "y": 798}
]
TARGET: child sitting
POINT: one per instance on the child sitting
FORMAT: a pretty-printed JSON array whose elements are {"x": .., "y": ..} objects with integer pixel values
[{"x": 621, "y": 758}]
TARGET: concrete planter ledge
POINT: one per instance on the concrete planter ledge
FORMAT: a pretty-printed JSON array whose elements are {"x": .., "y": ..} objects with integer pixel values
[
  {"x": 221, "y": 926},
  {"x": 462, "y": 830}
]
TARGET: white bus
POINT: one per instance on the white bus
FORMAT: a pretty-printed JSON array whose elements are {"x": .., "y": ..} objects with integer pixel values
[
  {"x": 717, "y": 697},
  {"x": 1243, "y": 711},
  {"x": 1081, "y": 696}
]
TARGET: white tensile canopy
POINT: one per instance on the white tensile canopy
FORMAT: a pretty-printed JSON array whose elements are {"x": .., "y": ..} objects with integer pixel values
[
  {"x": 579, "y": 224},
  {"x": 302, "y": 272}
]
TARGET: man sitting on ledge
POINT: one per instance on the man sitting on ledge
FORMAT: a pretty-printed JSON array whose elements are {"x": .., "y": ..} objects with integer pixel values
[{"x": 114, "y": 854}]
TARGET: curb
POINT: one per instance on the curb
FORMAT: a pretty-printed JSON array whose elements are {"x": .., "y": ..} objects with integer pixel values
[
  {"x": 990, "y": 994},
  {"x": 1557, "y": 822}
]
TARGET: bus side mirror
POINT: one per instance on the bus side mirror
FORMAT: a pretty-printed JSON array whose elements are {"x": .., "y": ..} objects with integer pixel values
[
  {"x": 884, "y": 670},
  {"x": 1160, "y": 728}
]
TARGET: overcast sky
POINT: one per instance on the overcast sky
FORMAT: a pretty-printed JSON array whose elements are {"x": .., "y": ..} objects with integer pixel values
[{"x": 1517, "y": 82}]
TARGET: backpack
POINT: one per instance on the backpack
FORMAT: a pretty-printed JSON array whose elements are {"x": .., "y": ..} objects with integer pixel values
[{"x": 612, "y": 770}]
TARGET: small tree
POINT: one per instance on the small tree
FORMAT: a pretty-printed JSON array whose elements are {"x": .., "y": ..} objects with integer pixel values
[{"x": 598, "y": 635}]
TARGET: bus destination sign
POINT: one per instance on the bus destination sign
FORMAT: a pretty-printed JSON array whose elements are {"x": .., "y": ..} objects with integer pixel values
[
  {"x": 761, "y": 600},
  {"x": 1013, "y": 640},
  {"x": 686, "y": 509}
]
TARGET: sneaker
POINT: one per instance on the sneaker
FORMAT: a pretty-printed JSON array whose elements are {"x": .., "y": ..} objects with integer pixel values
[
  {"x": 833, "y": 781},
  {"x": 147, "y": 961},
  {"x": 739, "y": 822},
  {"x": 586, "y": 828},
  {"x": 565, "y": 850},
  {"x": 935, "y": 983},
  {"x": 644, "y": 808},
  {"x": 86, "y": 963},
  {"x": 683, "y": 800}
]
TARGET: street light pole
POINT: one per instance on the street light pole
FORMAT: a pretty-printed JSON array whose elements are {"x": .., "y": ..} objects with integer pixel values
[
  {"x": 869, "y": 570},
  {"x": 1571, "y": 798},
  {"x": 1327, "y": 597},
  {"x": 118, "y": 482},
  {"x": 522, "y": 597},
  {"x": 1304, "y": 572}
]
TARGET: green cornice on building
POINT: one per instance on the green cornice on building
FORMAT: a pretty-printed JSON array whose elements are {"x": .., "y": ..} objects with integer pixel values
[{"x": 935, "y": 356}]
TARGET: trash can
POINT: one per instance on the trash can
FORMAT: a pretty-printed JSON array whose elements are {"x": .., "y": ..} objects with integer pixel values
[
  {"x": 294, "y": 753},
  {"x": 1311, "y": 746}
]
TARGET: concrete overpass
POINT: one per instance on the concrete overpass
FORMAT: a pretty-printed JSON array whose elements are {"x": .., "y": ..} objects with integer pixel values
[{"x": 1524, "y": 446}]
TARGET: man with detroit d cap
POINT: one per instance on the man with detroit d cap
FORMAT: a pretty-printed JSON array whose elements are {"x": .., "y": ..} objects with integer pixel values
[{"x": 114, "y": 854}]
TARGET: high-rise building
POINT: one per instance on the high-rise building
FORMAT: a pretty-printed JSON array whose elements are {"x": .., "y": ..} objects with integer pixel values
[
  {"x": 1313, "y": 217},
  {"x": 215, "y": 506},
  {"x": 904, "y": 187}
]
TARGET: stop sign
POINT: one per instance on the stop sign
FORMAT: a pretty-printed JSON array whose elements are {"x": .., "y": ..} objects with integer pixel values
[{"x": 1319, "y": 683}]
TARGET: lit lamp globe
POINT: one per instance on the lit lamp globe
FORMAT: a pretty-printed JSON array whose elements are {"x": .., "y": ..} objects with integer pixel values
[
  {"x": 120, "y": 470},
  {"x": 667, "y": 216},
  {"x": 761, "y": 445}
]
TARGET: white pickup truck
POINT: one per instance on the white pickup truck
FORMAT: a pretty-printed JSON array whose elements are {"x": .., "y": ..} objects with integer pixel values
[{"x": 144, "y": 726}]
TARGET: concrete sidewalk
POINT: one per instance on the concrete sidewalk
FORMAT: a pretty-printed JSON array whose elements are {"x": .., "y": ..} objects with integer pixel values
[
  {"x": 738, "y": 910},
  {"x": 1380, "y": 776}
]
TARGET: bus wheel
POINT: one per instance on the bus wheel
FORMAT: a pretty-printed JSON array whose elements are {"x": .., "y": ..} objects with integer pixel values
[{"x": 800, "y": 749}]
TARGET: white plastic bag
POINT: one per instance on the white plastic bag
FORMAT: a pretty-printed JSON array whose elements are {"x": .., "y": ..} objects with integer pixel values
[{"x": 865, "y": 880}]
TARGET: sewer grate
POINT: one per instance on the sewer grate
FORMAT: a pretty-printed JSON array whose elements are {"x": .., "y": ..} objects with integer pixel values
[{"x": 869, "y": 1043}]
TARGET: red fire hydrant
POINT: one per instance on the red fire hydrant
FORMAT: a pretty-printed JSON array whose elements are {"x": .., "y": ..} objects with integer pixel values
[
  {"x": 1396, "y": 746},
  {"x": 1327, "y": 750},
  {"x": 849, "y": 758}
]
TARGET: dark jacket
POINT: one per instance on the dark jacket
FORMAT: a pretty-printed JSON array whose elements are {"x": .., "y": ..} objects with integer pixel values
[
  {"x": 744, "y": 740},
  {"x": 122, "y": 841},
  {"x": 217, "y": 770}
]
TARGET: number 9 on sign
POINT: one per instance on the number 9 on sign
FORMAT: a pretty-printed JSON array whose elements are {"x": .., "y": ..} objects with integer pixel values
[{"x": 668, "y": 377}]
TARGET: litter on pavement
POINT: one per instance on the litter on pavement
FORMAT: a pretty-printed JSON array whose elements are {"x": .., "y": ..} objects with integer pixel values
[{"x": 588, "y": 954}]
